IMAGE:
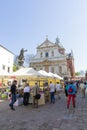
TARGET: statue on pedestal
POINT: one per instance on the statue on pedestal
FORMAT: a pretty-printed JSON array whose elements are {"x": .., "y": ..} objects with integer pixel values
[
  {"x": 21, "y": 57},
  {"x": 86, "y": 76}
]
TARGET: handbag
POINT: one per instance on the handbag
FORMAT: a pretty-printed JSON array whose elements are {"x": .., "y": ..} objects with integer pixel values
[{"x": 37, "y": 96}]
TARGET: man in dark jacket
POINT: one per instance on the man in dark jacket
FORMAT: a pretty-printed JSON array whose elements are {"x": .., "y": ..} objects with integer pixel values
[{"x": 13, "y": 94}]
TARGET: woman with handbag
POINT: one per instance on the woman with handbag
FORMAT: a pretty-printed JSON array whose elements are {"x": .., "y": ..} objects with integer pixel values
[{"x": 36, "y": 95}]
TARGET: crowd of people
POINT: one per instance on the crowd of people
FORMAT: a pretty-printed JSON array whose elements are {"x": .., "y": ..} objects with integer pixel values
[
  {"x": 51, "y": 88},
  {"x": 70, "y": 88}
]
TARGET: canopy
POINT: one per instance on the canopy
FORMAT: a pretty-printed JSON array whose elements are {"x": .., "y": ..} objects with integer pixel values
[
  {"x": 26, "y": 72},
  {"x": 57, "y": 76},
  {"x": 44, "y": 73},
  {"x": 50, "y": 74}
]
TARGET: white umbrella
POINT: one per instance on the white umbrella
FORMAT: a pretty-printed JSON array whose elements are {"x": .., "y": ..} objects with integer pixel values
[
  {"x": 26, "y": 72},
  {"x": 44, "y": 73},
  {"x": 57, "y": 76},
  {"x": 51, "y": 75}
]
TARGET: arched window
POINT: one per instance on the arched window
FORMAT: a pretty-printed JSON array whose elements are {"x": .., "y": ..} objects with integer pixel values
[
  {"x": 3, "y": 67},
  {"x": 41, "y": 54},
  {"x": 60, "y": 69},
  {"x": 52, "y": 53},
  {"x": 46, "y": 54},
  {"x": 52, "y": 69},
  {"x": 8, "y": 69}
]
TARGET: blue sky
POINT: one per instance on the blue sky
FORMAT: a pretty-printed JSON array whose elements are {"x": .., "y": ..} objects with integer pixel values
[{"x": 25, "y": 24}]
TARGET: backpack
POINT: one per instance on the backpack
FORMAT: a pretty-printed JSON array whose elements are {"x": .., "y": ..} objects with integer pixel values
[{"x": 70, "y": 89}]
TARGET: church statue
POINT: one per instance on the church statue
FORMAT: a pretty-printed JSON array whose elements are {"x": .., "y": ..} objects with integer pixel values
[
  {"x": 21, "y": 57},
  {"x": 86, "y": 76}
]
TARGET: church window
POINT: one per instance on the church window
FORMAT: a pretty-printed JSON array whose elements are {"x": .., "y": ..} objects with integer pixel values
[
  {"x": 8, "y": 69},
  {"x": 8, "y": 60},
  {"x": 3, "y": 67},
  {"x": 52, "y": 69},
  {"x": 60, "y": 69},
  {"x": 41, "y": 54},
  {"x": 52, "y": 53},
  {"x": 46, "y": 54}
]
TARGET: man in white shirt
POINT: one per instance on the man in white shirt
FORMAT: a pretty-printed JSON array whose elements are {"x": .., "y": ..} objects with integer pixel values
[
  {"x": 58, "y": 88},
  {"x": 52, "y": 91},
  {"x": 26, "y": 94},
  {"x": 83, "y": 88}
]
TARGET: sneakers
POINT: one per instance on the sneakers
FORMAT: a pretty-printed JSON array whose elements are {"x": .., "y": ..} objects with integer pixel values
[
  {"x": 74, "y": 106},
  {"x": 67, "y": 107},
  {"x": 11, "y": 107}
]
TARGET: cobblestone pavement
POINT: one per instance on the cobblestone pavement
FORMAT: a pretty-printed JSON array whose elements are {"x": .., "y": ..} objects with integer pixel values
[{"x": 46, "y": 117}]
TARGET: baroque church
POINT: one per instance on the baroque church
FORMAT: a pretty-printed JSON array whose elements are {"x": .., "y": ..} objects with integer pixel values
[{"x": 52, "y": 57}]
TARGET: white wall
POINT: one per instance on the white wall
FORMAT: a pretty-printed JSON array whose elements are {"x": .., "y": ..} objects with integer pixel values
[{"x": 6, "y": 59}]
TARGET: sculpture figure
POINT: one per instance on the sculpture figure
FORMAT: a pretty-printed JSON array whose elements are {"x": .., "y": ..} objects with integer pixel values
[
  {"x": 21, "y": 57},
  {"x": 86, "y": 76}
]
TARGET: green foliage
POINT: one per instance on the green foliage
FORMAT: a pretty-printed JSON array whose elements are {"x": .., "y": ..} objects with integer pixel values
[
  {"x": 77, "y": 73},
  {"x": 15, "y": 68}
]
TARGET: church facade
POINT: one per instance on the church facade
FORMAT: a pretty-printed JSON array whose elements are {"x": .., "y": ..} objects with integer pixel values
[{"x": 52, "y": 57}]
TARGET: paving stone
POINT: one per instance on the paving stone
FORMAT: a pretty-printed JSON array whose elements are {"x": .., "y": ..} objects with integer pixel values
[{"x": 47, "y": 117}]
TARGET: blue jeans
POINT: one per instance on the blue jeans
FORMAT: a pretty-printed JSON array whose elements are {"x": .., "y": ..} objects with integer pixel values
[
  {"x": 52, "y": 97},
  {"x": 13, "y": 100}
]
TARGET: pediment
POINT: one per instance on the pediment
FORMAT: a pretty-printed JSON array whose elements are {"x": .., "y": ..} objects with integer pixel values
[
  {"x": 46, "y": 61},
  {"x": 46, "y": 43}
]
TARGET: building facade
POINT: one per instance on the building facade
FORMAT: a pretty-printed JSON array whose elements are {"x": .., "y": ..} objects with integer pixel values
[
  {"x": 51, "y": 57},
  {"x": 6, "y": 61}
]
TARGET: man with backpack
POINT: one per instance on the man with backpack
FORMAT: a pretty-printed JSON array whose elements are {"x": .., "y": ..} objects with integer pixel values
[{"x": 71, "y": 90}]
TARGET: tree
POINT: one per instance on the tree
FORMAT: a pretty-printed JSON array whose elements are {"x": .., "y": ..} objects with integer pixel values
[
  {"x": 77, "y": 73},
  {"x": 15, "y": 67}
]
